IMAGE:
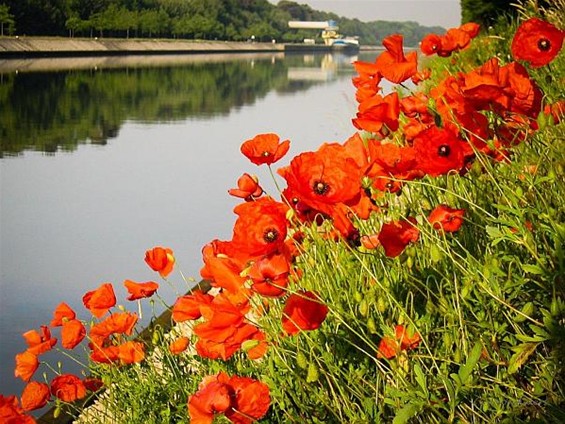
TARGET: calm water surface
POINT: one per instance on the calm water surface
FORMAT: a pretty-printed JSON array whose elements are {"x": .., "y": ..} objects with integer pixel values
[{"x": 114, "y": 156}]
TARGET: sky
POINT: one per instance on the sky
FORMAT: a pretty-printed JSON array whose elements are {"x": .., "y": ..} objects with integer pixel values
[{"x": 444, "y": 13}]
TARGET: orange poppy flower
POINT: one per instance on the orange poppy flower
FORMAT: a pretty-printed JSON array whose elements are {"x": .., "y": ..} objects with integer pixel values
[
  {"x": 243, "y": 400},
  {"x": 261, "y": 227},
  {"x": 303, "y": 311},
  {"x": 484, "y": 87},
  {"x": 389, "y": 346},
  {"x": 131, "y": 352},
  {"x": 525, "y": 95},
  {"x": 323, "y": 178},
  {"x": 99, "y": 301},
  {"x": 72, "y": 333},
  {"x": 438, "y": 151},
  {"x": 265, "y": 149},
  {"x": 223, "y": 271},
  {"x": 270, "y": 275},
  {"x": 179, "y": 345},
  {"x": 140, "y": 290},
  {"x": 35, "y": 396},
  {"x": 259, "y": 346},
  {"x": 26, "y": 365},
  {"x": 378, "y": 114},
  {"x": 396, "y": 235},
  {"x": 188, "y": 307},
  {"x": 12, "y": 413},
  {"x": 62, "y": 312},
  {"x": 446, "y": 219},
  {"x": 213, "y": 397},
  {"x": 248, "y": 188},
  {"x": 161, "y": 260},
  {"x": 39, "y": 343},
  {"x": 555, "y": 111},
  {"x": 537, "y": 42},
  {"x": 118, "y": 323},
  {"x": 251, "y": 401},
  {"x": 392, "y": 64},
  {"x": 370, "y": 241},
  {"x": 68, "y": 388}
]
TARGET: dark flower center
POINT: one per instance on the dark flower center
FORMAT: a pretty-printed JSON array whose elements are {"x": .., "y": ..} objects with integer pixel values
[
  {"x": 544, "y": 44},
  {"x": 320, "y": 188},
  {"x": 270, "y": 235},
  {"x": 265, "y": 154},
  {"x": 444, "y": 150},
  {"x": 295, "y": 200}
]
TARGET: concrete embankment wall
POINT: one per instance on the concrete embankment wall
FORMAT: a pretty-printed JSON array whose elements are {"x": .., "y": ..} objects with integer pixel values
[{"x": 45, "y": 47}]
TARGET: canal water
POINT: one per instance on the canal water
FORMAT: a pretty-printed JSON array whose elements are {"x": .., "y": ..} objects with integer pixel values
[{"x": 104, "y": 158}]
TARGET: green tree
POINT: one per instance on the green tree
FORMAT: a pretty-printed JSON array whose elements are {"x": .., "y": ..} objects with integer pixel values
[
  {"x": 6, "y": 19},
  {"x": 485, "y": 12}
]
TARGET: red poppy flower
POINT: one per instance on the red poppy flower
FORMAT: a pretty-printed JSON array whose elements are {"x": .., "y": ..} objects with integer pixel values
[
  {"x": 324, "y": 178},
  {"x": 12, "y": 413},
  {"x": 303, "y": 311},
  {"x": 525, "y": 95},
  {"x": 188, "y": 307},
  {"x": 389, "y": 346},
  {"x": 26, "y": 365},
  {"x": 392, "y": 64},
  {"x": 390, "y": 165},
  {"x": 179, "y": 345},
  {"x": 555, "y": 111},
  {"x": 396, "y": 235},
  {"x": 93, "y": 384},
  {"x": 72, "y": 333},
  {"x": 62, "y": 312},
  {"x": 222, "y": 270},
  {"x": 378, "y": 114},
  {"x": 68, "y": 388},
  {"x": 270, "y": 275},
  {"x": 161, "y": 260},
  {"x": 39, "y": 343},
  {"x": 251, "y": 400},
  {"x": 446, "y": 219},
  {"x": 261, "y": 226},
  {"x": 224, "y": 328},
  {"x": 484, "y": 87},
  {"x": 258, "y": 347},
  {"x": 537, "y": 42},
  {"x": 140, "y": 290},
  {"x": 213, "y": 397},
  {"x": 99, "y": 301},
  {"x": 118, "y": 323},
  {"x": 370, "y": 241},
  {"x": 243, "y": 400},
  {"x": 248, "y": 188},
  {"x": 265, "y": 149},
  {"x": 131, "y": 352},
  {"x": 438, "y": 151},
  {"x": 35, "y": 396}
]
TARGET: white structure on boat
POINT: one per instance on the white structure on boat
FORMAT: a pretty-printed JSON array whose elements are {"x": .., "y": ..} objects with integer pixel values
[{"x": 330, "y": 33}]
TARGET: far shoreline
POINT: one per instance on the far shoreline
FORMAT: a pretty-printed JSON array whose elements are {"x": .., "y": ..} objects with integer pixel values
[{"x": 42, "y": 47}]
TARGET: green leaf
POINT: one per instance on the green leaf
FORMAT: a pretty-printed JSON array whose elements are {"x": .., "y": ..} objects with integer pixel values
[
  {"x": 523, "y": 352},
  {"x": 532, "y": 269},
  {"x": 408, "y": 411},
  {"x": 421, "y": 378},
  {"x": 466, "y": 370}
]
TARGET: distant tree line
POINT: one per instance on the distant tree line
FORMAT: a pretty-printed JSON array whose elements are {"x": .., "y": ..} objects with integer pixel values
[
  {"x": 193, "y": 19},
  {"x": 490, "y": 12}
]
